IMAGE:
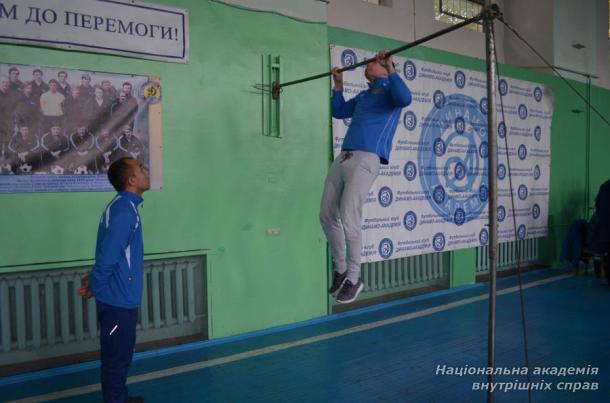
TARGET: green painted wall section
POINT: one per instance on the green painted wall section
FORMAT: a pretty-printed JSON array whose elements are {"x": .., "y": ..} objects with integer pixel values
[
  {"x": 568, "y": 145},
  {"x": 224, "y": 183}
]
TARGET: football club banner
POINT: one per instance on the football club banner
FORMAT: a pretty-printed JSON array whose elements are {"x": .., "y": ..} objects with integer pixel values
[{"x": 433, "y": 195}]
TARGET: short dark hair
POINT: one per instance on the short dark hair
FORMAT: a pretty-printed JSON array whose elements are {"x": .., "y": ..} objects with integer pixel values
[
  {"x": 62, "y": 72},
  {"x": 119, "y": 172},
  {"x": 53, "y": 81},
  {"x": 37, "y": 71},
  {"x": 13, "y": 69}
]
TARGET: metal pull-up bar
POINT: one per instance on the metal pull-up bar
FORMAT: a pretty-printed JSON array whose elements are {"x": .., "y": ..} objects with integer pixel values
[{"x": 276, "y": 87}]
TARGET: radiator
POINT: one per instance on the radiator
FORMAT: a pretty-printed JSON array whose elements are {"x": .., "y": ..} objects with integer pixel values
[
  {"x": 392, "y": 276},
  {"x": 42, "y": 316},
  {"x": 508, "y": 258}
]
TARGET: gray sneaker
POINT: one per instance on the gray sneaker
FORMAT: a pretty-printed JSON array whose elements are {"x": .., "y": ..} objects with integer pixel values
[
  {"x": 338, "y": 280},
  {"x": 349, "y": 292}
]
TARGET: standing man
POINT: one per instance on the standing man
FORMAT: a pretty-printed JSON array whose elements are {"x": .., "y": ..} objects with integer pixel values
[
  {"x": 117, "y": 276},
  {"x": 375, "y": 114}
]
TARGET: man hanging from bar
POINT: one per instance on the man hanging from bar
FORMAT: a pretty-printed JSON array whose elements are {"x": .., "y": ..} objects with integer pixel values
[{"x": 375, "y": 115}]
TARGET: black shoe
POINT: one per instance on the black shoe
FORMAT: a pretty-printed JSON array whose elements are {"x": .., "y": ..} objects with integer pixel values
[
  {"x": 338, "y": 280},
  {"x": 135, "y": 399},
  {"x": 349, "y": 292}
]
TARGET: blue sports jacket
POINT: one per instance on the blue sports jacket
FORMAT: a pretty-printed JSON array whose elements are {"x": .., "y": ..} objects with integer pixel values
[
  {"x": 116, "y": 277},
  {"x": 375, "y": 114}
]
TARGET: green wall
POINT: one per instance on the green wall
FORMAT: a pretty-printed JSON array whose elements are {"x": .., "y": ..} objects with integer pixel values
[{"x": 224, "y": 183}]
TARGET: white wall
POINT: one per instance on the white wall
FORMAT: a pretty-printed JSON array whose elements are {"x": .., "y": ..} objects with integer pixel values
[
  {"x": 406, "y": 21},
  {"x": 551, "y": 26},
  {"x": 585, "y": 22}
]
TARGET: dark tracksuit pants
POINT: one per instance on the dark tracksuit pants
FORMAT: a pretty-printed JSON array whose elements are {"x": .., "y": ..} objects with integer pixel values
[{"x": 117, "y": 340}]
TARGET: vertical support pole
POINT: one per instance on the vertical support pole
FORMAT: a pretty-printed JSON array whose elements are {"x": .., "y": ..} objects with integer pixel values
[
  {"x": 588, "y": 151},
  {"x": 493, "y": 190}
]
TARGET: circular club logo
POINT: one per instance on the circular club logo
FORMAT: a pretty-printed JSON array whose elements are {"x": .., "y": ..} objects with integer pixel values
[
  {"x": 150, "y": 92},
  {"x": 439, "y": 99},
  {"x": 438, "y": 195},
  {"x": 483, "y": 105},
  {"x": 459, "y": 125},
  {"x": 438, "y": 241},
  {"x": 483, "y": 236},
  {"x": 409, "y": 120},
  {"x": 459, "y": 217},
  {"x": 459, "y": 78},
  {"x": 502, "y": 130},
  {"x": 410, "y": 220},
  {"x": 459, "y": 171},
  {"x": 410, "y": 171},
  {"x": 522, "y": 152},
  {"x": 386, "y": 247},
  {"x": 483, "y": 149},
  {"x": 503, "y": 87},
  {"x": 347, "y": 121},
  {"x": 522, "y": 112},
  {"x": 501, "y": 171},
  {"x": 536, "y": 172},
  {"x": 522, "y": 192},
  {"x": 537, "y": 94},
  {"x": 501, "y": 213},
  {"x": 483, "y": 193},
  {"x": 537, "y": 133},
  {"x": 385, "y": 196},
  {"x": 452, "y": 174},
  {"x": 348, "y": 58},
  {"x": 536, "y": 211},
  {"x": 521, "y": 231},
  {"x": 439, "y": 147},
  {"x": 409, "y": 70}
]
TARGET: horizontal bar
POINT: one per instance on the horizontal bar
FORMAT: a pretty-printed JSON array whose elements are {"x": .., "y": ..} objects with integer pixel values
[{"x": 391, "y": 52}]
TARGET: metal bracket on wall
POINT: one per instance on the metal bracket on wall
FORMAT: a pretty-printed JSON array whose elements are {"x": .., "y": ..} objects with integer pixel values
[{"x": 270, "y": 104}]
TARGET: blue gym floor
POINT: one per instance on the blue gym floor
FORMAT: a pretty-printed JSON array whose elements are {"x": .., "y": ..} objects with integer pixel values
[{"x": 387, "y": 353}]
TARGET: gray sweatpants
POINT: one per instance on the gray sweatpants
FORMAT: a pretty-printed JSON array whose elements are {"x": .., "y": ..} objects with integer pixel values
[{"x": 347, "y": 185}]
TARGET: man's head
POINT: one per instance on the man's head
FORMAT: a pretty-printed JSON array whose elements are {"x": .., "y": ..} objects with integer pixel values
[
  {"x": 37, "y": 74},
  {"x": 24, "y": 130},
  {"x": 86, "y": 79},
  {"x": 53, "y": 85},
  {"x": 55, "y": 129},
  {"x": 122, "y": 97},
  {"x": 127, "y": 131},
  {"x": 373, "y": 70},
  {"x": 81, "y": 130},
  {"x": 27, "y": 89},
  {"x": 13, "y": 73},
  {"x": 99, "y": 92},
  {"x": 62, "y": 76},
  {"x": 128, "y": 174},
  {"x": 127, "y": 88},
  {"x": 75, "y": 91}
]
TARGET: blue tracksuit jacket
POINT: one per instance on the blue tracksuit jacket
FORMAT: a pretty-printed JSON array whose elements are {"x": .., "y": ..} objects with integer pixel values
[
  {"x": 116, "y": 277},
  {"x": 375, "y": 115}
]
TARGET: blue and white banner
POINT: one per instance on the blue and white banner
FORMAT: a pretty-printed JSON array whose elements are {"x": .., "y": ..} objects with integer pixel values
[
  {"x": 433, "y": 196},
  {"x": 124, "y": 27}
]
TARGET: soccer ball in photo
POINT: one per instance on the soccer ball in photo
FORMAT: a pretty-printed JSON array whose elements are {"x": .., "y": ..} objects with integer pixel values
[
  {"x": 57, "y": 170},
  {"x": 25, "y": 168},
  {"x": 5, "y": 169},
  {"x": 81, "y": 170}
]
